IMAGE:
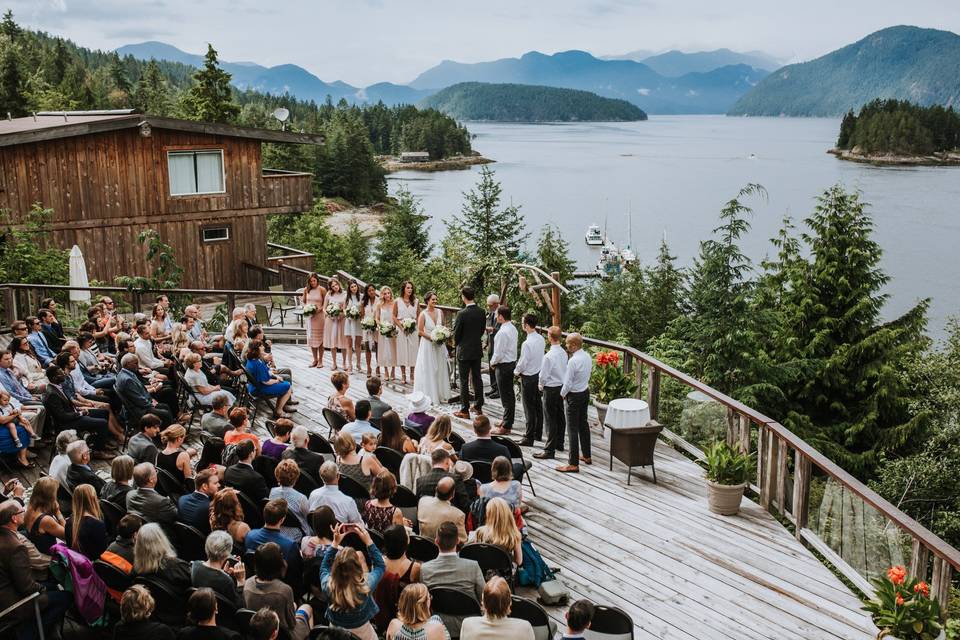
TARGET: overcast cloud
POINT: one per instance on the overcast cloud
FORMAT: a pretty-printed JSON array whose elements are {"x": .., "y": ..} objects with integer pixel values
[{"x": 366, "y": 41}]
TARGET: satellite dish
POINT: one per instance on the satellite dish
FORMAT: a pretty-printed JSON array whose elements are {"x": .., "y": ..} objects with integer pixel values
[{"x": 281, "y": 114}]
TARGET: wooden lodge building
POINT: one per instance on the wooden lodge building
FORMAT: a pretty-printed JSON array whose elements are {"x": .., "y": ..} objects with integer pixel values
[{"x": 108, "y": 175}]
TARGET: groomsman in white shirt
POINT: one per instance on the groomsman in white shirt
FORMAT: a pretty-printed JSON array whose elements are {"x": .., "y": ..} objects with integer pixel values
[
  {"x": 576, "y": 392},
  {"x": 528, "y": 370},
  {"x": 504, "y": 360},
  {"x": 552, "y": 373}
]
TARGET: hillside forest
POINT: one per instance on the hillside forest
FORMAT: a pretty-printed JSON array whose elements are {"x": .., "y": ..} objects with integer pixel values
[{"x": 901, "y": 128}]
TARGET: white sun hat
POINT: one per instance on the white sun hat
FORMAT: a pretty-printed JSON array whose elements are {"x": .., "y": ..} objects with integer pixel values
[{"x": 419, "y": 402}]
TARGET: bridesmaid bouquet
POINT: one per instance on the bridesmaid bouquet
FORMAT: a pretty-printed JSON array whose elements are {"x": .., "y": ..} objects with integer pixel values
[
  {"x": 334, "y": 310},
  {"x": 309, "y": 310},
  {"x": 409, "y": 325},
  {"x": 388, "y": 330},
  {"x": 352, "y": 312},
  {"x": 368, "y": 324},
  {"x": 440, "y": 334}
]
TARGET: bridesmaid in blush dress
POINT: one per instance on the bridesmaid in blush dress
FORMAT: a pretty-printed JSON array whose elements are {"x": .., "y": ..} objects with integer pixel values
[
  {"x": 407, "y": 343},
  {"x": 352, "y": 331},
  {"x": 385, "y": 313},
  {"x": 368, "y": 305},
  {"x": 315, "y": 294},
  {"x": 333, "y": 337}
]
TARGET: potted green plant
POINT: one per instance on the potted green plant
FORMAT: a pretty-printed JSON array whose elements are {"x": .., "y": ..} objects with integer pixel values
[
  {"x": 902, "y": 608},
  {"x": 609, "y": 381},
  {"x": 728, "y": 470}
]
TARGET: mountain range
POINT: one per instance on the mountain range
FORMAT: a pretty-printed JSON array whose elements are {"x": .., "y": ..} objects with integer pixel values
[
  {"x": 710, "y": 91},
  {"x": 902, "y": 62},
  {"x": 677, "y": 63}
]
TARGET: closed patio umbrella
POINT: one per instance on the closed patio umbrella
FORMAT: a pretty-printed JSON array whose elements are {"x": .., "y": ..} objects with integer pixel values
[{"x": 78, "y": 276}]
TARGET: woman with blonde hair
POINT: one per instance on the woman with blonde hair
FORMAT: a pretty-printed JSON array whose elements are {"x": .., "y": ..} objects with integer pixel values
[
  {"x": 385, "y": 314},
  {"x": 85, "y": 529},
  {"x": 408, "y": 342},
  {"x": 437, "y": 436},
  {"x": 349, "y": 591},
  {"x": 362, "y": 469},
  {"x": 43, "y": 520},
  {"x": 172, "y": 458},
  {"x": 500, "y": 529},
  {"x": 158, "y": 324},
  {"x": 226, "y": 514},
  {"x": 200, "y": 385},
  {"x": 154, "y": 556},
  {"x": 136, "y": 609},
  {"x": 179, "y": 339},
  {"x": 333, "y": 326},
  {"x": 314, "y": 294},
  {"x": 413, "y": 621}
]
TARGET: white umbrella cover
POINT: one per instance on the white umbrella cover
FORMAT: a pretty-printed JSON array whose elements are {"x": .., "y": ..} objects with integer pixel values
[{"x": 78, "y": 276}]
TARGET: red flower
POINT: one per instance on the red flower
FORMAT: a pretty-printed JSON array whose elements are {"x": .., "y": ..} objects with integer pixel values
[
  {"x": 922, "y": 587},
  {"x": 607, "y": 358},
  {"x": 899, "y": 600},
  {"x": 897, "y": 574}
]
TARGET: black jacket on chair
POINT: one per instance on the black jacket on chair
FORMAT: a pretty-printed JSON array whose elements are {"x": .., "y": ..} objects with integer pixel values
[
  {"x": 468, "y": 329},
  {"x": 247, "y": 481}
]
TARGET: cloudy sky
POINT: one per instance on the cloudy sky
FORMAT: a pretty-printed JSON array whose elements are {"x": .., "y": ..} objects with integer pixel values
[{"x": 366, "y": 41}]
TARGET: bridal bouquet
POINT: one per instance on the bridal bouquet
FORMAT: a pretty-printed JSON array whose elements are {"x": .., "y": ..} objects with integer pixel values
[
  {"x": 352, "y": 312},
  {"x": 309, "y": 310},
  {"x": 409, "y": 325},
  {"x": 333, "y": 310},
  {"x": 388, "y": 330},
  {"x": 440, "y": 334},
  {"x": 368, "y": 324}
]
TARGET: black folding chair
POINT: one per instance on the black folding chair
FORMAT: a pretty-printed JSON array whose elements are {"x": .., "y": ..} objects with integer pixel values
[
  {"x": 412, "y": 433},
  {"x": 516, "y": 456},
  {"x": 266, "y": 467},
  {"x": 9, "y": 625},
  {"x": 189, "y": 541},
  {"x": 407, "y": 502},
  {"x": 250, "y": 562},
  {"x": 481, "y": 471},
  {"x": 113, "y": 577},
  {"x": 169, "y": 605},
  {"x": 377, "y": 538},
  {"x": 212, "y": 453},
  {"x": 111, "y": 515},
  {"x": 319, "y": 444},
  {"x": 334, "y": 420},
  {"x": 242, "y": 618},
  {"x": 305, "y": 483},
  {"x": 456, "y": 441},
  {"x": 490, "y": 558},
  {"x": 453, "y": 602},
  {"x": 354, "y": 489},
  {"x": 167, "y": 485},
  {"x": 609, "y": 623},
  {"x": 65, "y": 498},
  {"x": 536, "y": 615},
  {"x": 390, "y": 458},
  {"x": 252, "y": 514},
  {"x": 422, "y": 549}
]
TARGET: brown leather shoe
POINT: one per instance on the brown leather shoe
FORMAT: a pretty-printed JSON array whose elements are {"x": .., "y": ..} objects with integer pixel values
[
  {"x": 569, "y": 468},
  {"x": 500, "y": 431},
  {"x": 586, "y": 460},
  {"x": 477, "y": 410},
  {"x": 462, "y": 414}
]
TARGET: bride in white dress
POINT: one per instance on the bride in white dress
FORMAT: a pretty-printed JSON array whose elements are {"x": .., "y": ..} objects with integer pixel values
[{"x": 432, "y": 376}]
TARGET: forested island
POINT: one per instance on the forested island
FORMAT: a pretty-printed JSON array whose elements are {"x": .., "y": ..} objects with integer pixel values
[
  {"x": 898, "y": 132},
  {"x": 528, "y": 103}
]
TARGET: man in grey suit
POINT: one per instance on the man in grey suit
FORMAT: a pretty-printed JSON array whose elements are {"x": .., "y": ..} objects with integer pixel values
[
  {"x": 377, "y": 406},
  {"x": 145, "y": 502},
  {"x": 141, "y": 446},
  {"x": 451, "y": 571}
]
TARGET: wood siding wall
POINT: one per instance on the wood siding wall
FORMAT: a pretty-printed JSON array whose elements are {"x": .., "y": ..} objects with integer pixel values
[{"x": 106, "y": 188}]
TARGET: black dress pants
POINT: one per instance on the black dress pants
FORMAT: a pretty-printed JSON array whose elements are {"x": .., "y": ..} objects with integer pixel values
[
  {"x": 508, "y": 397},
  {"x": 468, "y": 369},
  {"x": 577, "y": 427},
  {"x": 554, "y": 419},
  {"x": 532, "y": 406}
]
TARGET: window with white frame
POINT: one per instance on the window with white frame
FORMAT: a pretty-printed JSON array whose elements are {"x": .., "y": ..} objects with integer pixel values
[
  {"x": 195, "y": 172},
  {"x": 215, "y": 234}
]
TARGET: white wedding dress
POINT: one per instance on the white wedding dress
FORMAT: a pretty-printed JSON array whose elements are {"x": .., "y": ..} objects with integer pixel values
[{"x": 432, "y": 378}]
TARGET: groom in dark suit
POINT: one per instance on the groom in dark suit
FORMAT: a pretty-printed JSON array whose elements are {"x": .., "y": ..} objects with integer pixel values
[{"x": 468, "y": 330}]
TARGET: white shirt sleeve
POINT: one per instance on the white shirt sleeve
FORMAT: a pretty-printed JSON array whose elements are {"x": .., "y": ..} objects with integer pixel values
[{"x": 500, "y": 347}]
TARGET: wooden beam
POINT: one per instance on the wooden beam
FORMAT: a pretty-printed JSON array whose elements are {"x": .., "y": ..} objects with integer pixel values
[
  {"x": 919, "y": 560},
  {"x": 801, "y": 491},
  {"x": 653, "y": 393},
  {"x": 782, "y": 475}
]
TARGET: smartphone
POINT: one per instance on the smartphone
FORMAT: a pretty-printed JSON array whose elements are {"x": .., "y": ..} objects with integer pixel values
[{"x": 233, "y": 561}]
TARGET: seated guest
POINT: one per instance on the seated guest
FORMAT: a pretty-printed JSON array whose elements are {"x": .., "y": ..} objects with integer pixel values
[
  {"x": 144, "y": 500},
  {"x": 15, "y": 434},
  {"x": 495, "y": 623},
  {"x": 135, "y": 396},
  {"x": 118, "y": 486},
  {"x": 392, "y": 435},
  {"x": 43, "y": 521},
  {"x": 347, "y": 586},
  {"x": 279, "y": 442},
  {"x": 80, "y": 471},
  {"x": 378, "y": 513},
  {"x": 136, "y": 609},
  {"x": 120, "y": 551},
  {"x": 202, "y": 615},
  {"x": 453, "y": 572},
  {"x": 194, "y": 507},
  {"x": 322, "y": 523},
  {"x": 240, "y": 423},
  {"x": 400, "y": 572},
  {"x": 60, "y": 463},
  {"x": 95, "y": 363},
  {"x": 437, "y": 436},
  {"x": 28, "y": 366},
  {"x": 338, "y": 401},
  {"x": 51, "y": 327},
  {"x": 308, "y": 461},
  {"x": 154, "y": 556},
  {"x": 503, "y": 485},
  {"x": 377, "y": 406},
  {"x": 216, "y": 422},
  {"x": 266, "y": 384},
  {"x": 579, "y": 616},
  {"x": 243, "y": 477},
  {"x": 414, "y": 621},
  {"x": 418, "y": 418},
  {"x": 143, "y": 346},
  {"x": 361, "y": 424},
  {"x": 66, "y": 416},
  {"x": 287, "y": 474},
  {"x": 264, "y": 625},
  {"x": 362, "y": 470},
  {"x": 226, "y": 514},
  {"x": 174, "y": 459},
  {"x": 85, "y": 529},
  {"x": 220, "y": 572},
  {"x": 39, "y": 342},
  {"x": 344, "y": 507},
  {"x": 500, "y": 529},
  {"x": 274, "y": 513},
  {"x": 102, "y": 382},
  {"x": 267, "y": 589},
  {"x": 442, "y": 464},
  {"x": 179, "y": 340},
  {"x": 485, "y": 449},
  {"x": 202, "y": 389},
  {"x": 432, "y": 511},
  {"x": 84, "y": 397},
  {"x": 142, "y": 446}
]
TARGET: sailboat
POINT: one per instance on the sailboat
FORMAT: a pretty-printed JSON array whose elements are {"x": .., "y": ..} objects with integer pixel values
[{"x": 627, "y": 256}]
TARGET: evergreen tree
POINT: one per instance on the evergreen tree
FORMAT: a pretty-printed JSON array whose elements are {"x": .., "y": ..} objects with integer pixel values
[
  {"x": 403, "y": 236},
  {"x": 210, "y": 99},
  {"x": 347, "y": 168},
  {"x": 664, "y": 298},
  {"x": 846, "y": 130},
  {"x": 553, "y": 256},
  {"x": 12, "y": 97},
  {"x": 57, "y": 68},
  {"x": 152, "y": 95},
  {"x": 9, "y": 27},
  {"x": 355, "y": 252},
  {"x": 118, "y": 74}
]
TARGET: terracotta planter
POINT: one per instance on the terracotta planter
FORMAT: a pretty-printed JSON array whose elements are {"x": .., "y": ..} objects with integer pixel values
[{"x": 724, "y": 499}]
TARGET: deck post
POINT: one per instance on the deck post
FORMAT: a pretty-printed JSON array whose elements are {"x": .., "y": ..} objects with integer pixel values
[
  {"x": 782, "y": 471},
  {"x": 10, "y": 304},
  {"x": 137, "y": 302},
  {"x": 231, "y": 305},
  {"x": 731, "y": 427},
  {"x": 555, "y": 300},
  {"x": 770, "y": 451},
  {"x": 653, "y": 392},
  {"x": 745, "y": 434},
  {"x": 801, "y": 491},
  {"x": 940, "y": 585},
  {"x": 919, "y": 559}
]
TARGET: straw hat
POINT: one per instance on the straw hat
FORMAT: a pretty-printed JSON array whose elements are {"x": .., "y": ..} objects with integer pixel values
[{"x": 419, "y": 402}]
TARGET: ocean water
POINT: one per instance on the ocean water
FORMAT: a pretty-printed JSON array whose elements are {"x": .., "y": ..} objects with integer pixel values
[{"x": 674, "y": 174}]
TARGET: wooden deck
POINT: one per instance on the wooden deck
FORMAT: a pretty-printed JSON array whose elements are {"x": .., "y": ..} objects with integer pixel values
[{"x": 653, "y": 550}]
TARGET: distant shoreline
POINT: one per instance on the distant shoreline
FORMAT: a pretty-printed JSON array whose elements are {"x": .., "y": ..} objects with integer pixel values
[
  {"x": 392, "y": 164},
  {"x": 939, "y": 159}
]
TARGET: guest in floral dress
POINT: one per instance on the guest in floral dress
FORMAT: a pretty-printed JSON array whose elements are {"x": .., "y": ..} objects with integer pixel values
[
  {"x": 315, "y": 294},
  {"x": 333, "y": 337},
  {"x": 378, "y": 513},
  {"x": 407, "y": 343}
]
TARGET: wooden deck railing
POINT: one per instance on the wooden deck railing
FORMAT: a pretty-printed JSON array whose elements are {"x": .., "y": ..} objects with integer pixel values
[{"x": 793, "y": 481}]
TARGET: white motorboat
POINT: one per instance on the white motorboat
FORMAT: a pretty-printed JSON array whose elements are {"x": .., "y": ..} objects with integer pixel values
[{"x": 594, "y": 238}]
